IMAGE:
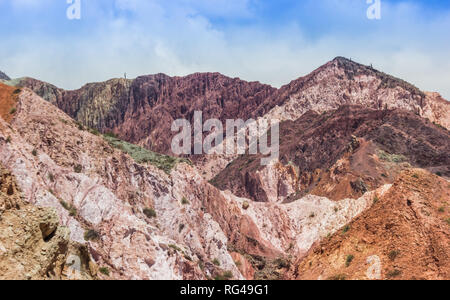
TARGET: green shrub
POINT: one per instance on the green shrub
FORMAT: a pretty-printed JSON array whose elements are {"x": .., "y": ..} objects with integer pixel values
[
  {"x": 312, "y": 215},
  {"x": 71, "y": 209},
  {"x": 393, "y": 254},
  {"x": 282, "y": 263},
  {"x": 13, "y": 110},
  {"x": 149, "y": 212},
  {"x": 142, "y": 155},
  {"x": 349, "y": 260},
  {"x": 184, "y": 201},
  {"x": 448, "y": 221},
  {"x": 394, "y": 273},
  {"x": 216, "y": 262},
  {"x": 395, "y": 158},
  {"x": 180, "y": 228},
  {"x": 17, "y": 91},
  {"x": 104, "y": 271},
  {"x": 34, "y": 152},
  {"x": 375, "y": 199},
  {"x": 227, "y": 275},
  {"x": 338, "y": 277},
  {"x": 78, "y": 168},
  {"x": 51, "y": 177},
  {"x": 346, "y": 229},
  {"x": 8, "y": 139},
  {"x": 175, "y": 247},
  {"x": 94, "y": 131},
  {"x": 91, "y": 235},
  {"x": 245, "y": 205},
  {"x": 441, "y": 209}
]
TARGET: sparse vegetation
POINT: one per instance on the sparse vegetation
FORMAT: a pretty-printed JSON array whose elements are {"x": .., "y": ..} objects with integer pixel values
[
  {"x": 346, "y": 229},
  {"x": 175, "y": 247},
  {"x": 395, "y": 158},
  {"x": 94, "y": 131},
  {"x": 227, "y": 275},
  {"x": 78, "y": 168},
  {"x": 394, "y": 273},
  {"x": 149, "y": 212},
  {"x": 142, "y": 155},
  {"x": 393, "y": 254},
  {"x": 71, "y": 209},
  {"x": 51, "y": 177},
  {"x": 104, "y": 271},
  {"x": 245, "y": 205},
  {"x": 282, "y": 263},
  {"x": 91, "y": 235},
  {"x": 448, "y": 221},
  {"x": 375, "y": 199},
  {"x": 349, "y": 260},
  {"x": 338, "y": 277}
]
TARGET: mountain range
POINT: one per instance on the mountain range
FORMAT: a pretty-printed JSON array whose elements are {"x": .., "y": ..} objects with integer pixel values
[{"x": 91, "y": 190}]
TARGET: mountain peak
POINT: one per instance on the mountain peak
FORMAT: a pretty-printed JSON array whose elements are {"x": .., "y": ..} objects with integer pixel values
[{"x": 3, "y": 76}]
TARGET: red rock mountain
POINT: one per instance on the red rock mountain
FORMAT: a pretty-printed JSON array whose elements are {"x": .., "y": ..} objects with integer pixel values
[
  {"x": 340, "y": 154},
  {"x": 360, "y": 191},
  {"x": 142, "y": 110}
]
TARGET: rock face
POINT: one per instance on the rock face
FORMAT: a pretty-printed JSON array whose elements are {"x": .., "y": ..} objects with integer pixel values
[
  {"x": 405, "y": 235},
  {"x": 346, "y": 199},
  {"x": 3, "y": 76},
  {"x": 32, "y": 243},
  {"x": 137, "y": 221},
  {"x": 343, "y": 82},
  {"x": 141, "y": 111},
  {"x": 340, "y": 154}
]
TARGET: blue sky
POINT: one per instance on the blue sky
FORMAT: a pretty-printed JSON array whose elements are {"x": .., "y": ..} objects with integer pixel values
[{"x": 272, "y": 41}]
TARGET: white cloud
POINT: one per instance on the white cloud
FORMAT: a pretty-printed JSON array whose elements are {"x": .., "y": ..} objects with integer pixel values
[{"x": 178, "y": 37}]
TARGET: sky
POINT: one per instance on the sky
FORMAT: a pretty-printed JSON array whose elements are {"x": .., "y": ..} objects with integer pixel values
[{"x": 271, "y": 41}]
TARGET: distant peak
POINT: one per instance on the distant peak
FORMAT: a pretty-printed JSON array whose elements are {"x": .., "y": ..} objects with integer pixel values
[{"x": 3, "y": 76}]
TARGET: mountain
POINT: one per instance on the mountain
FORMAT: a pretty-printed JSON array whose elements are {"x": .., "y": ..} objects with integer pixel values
[
  {"x": 140, "y": 215},
  {"x": 3, "y": 76},
  {"x": 360, "y": 190},
  {"x": 404, "y": 236},
  {"x": 142, "y": 110},
  {"x": 340, "y": 154}
]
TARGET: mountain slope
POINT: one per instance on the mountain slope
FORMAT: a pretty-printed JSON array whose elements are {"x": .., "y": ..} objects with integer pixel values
[
  {"x": 405, "y": 235},
  {"x": 3, "y": 76},
  {"x": 340, "y": 154},
  {"x": 141, "y": 111}
]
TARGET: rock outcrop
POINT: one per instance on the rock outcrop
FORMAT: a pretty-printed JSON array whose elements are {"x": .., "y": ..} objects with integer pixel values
[
  {"x": 405, "y": 235},
  {"x": 3, "y": 76},
  {"x": 33, "y": 245},
  {"x": 340, "y": 154},
  {"x": 141, "y": 111}
]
